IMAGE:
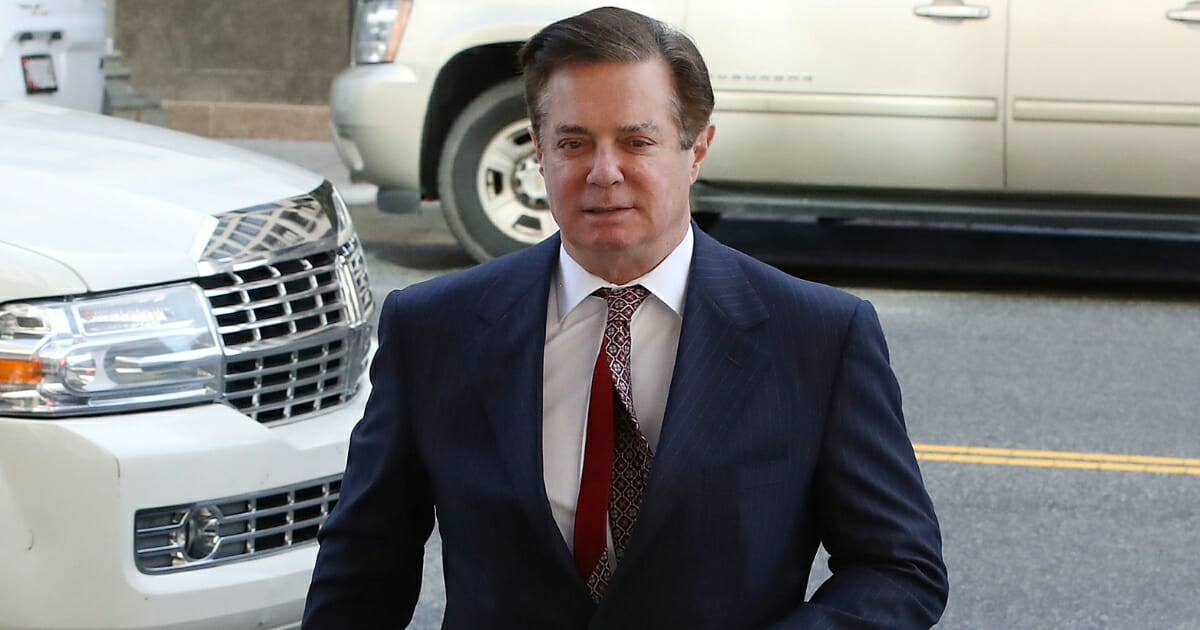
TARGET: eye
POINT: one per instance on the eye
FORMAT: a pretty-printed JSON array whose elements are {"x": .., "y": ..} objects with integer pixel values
[
  {"x": 641, "y": 143},
  {"x": 570, "y": 144}
]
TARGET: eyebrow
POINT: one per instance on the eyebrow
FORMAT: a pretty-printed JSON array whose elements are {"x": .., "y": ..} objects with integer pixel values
[
  {"x": 645, "y": 126},
  {"x": 571, "y": 128},
  {"x": 568, "y": 128}
]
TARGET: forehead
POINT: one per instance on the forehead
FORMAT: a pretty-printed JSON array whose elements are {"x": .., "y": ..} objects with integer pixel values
[{"x": 609, "y": 95}]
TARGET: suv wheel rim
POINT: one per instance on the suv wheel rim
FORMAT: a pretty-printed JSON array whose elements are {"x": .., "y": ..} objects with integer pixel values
[{"x": 510, "y": 186}]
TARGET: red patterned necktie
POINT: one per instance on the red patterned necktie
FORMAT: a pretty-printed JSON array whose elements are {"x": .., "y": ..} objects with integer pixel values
[{"x": 616, "y": 457}]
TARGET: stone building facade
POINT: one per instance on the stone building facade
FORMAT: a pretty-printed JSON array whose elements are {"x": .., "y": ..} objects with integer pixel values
[{"x": 236, "y": 68}]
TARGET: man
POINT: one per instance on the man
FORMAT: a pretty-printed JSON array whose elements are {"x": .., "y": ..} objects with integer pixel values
[{"x": 629, "y": 425}]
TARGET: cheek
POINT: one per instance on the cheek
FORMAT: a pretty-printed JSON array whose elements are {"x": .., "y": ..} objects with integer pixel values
[
  {"x": 556, "y": 178},
  {"x": 562, "y": 170},
  {"x": 670, "y": 186},
  {"x": 560, "y": 190}
]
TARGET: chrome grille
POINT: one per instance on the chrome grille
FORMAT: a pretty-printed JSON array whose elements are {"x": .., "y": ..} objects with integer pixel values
[
  {"x": 288, "y": 384},
  {"x": 293, "y": 332},
  {"x": 234, "y": 528},
  {"x": 275, "y": 300}
]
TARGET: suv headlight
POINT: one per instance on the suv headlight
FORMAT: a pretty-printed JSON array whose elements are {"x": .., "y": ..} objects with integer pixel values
[
  {"x": 148, "y": 348},
  {"x": 378, "y": 27}
]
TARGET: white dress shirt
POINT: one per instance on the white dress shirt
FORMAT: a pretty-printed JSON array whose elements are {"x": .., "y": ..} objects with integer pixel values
[{"x": 574, "y": 330}]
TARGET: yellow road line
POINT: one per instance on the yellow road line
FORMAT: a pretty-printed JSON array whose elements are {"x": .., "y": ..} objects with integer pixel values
[{"x": 1057, "y": 459}]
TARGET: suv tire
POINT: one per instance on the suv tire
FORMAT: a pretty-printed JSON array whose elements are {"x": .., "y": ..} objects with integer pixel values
[{"x": 491, "y": 188}]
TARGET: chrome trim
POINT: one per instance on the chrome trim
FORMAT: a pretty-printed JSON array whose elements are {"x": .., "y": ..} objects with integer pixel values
[
  {"x": 1128, "y": 113},
  {"x": 258, "y": 524},
  {"x": 953, "y": 11},
  {"x": 294, "y": 332},
  {"x": 352, "y": 265},
  {"x": 1190, "y": 13},
  {"x": 894, "y": 105},
  {"x": 289, "y": 228}
]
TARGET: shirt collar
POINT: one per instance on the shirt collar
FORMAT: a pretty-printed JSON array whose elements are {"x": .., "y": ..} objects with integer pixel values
[{"x": 667, "y": 281}]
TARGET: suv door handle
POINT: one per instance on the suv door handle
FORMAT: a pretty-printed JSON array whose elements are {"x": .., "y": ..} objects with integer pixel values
[
  {"x": 955, "y": 11},
  {"x": 1190, "y": 13}
]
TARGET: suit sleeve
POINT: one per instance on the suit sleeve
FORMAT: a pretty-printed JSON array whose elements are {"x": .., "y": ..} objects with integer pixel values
[
  {"x": 876, "y": 518},
  {"x": 368, "y": 570}
]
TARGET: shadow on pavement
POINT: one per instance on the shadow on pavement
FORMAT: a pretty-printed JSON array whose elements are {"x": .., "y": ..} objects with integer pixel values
[{"x": 956, "y": 257}]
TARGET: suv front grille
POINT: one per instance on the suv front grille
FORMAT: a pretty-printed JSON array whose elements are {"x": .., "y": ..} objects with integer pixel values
[
  {"x": 288, "y": 384},
  {"x": 293, "y": 331},
  {"x": 275, "y": 300},
  {"x": 234, "y": 528}
]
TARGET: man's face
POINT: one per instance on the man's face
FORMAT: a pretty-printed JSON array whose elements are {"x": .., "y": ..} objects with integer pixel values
[{"x": 617, "y": 178}]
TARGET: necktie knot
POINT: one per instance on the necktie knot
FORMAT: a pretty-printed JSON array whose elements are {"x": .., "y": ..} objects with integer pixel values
[{"x": 623, "y": 301}]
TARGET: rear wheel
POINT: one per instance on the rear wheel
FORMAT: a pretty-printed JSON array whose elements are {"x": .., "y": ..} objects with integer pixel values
[{"x": 491, "y": 189}]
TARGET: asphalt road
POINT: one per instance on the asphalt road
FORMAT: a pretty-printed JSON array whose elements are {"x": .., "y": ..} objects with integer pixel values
[
  {"x": 1064, "y": 351},
  {"x": 1077, "y": 348}
]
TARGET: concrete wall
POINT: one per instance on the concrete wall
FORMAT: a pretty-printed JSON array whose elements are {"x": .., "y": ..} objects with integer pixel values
[{"x": 237, "y": 68}]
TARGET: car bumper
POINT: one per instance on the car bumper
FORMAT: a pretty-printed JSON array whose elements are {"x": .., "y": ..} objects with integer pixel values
[
  {"x": 69, "y": 491},
  {"x": 377, "y": 113}
]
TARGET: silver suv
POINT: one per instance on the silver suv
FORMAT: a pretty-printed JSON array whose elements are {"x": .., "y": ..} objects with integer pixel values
[{"x": 985, "y": 111}]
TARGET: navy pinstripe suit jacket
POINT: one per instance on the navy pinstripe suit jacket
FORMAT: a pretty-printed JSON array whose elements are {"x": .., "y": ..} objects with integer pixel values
[{"x": 783, "y": 430}]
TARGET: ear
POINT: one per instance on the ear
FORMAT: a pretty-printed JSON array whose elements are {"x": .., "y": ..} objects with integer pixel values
[{"x": 700, "y": 149}]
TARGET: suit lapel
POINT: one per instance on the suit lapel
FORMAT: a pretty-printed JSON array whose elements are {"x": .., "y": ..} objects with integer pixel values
[
  {"x": 505, "y": 360},
  {"x": 717, "y": 362}
]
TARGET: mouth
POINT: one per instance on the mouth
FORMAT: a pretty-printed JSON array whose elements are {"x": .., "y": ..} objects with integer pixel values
[{"x": 606, "y": 209}]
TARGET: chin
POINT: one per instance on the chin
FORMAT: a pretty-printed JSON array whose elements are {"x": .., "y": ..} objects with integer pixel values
[{"x": 609, "y": 243}]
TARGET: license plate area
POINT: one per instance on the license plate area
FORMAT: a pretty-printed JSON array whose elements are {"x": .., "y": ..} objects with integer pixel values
[{"x": 39, "y": 74}]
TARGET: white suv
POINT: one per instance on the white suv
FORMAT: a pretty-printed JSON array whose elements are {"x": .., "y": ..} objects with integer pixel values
[
  {"x": 1042, "y": 112},
  {"x": 183, "y": 336}
]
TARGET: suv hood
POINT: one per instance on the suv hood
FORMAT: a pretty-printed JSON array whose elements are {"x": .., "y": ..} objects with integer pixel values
[{"x": 122, "y": 204}]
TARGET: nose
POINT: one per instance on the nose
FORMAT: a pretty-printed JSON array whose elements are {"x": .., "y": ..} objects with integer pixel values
[{"x": 606, "y": 168}]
